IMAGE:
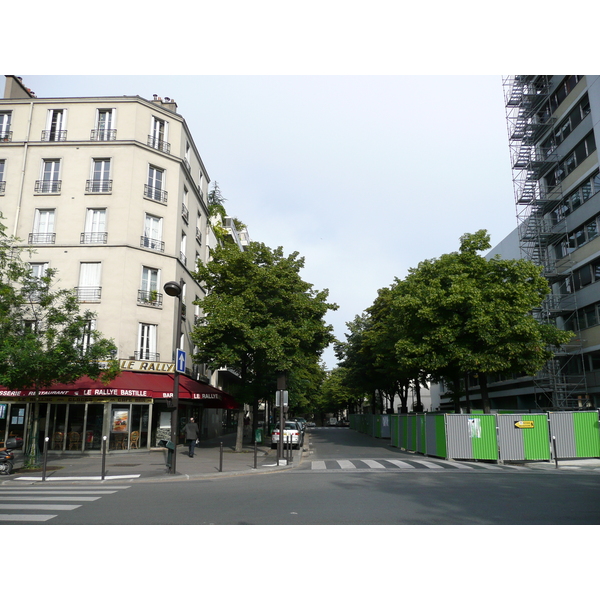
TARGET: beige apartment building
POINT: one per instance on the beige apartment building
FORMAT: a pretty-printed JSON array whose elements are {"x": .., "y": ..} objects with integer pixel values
[{"x": 112, "y": 193}]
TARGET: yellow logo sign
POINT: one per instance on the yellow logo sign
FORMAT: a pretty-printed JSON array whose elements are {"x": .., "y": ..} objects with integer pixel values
[{"x": 524, "y": 424}]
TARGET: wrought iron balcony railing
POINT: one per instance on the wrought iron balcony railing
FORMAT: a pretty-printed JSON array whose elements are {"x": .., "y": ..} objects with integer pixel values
[
  {"x": 6, "y": 136},
  {"x": 42, "y": 238},
  {"x": 48, "y": 187},
  {"x": 150, "y": 298},
  {"x": 156, "y": 194},
  {"x": 98, "y": 186},
  {"x": 89, "y": 293},
  {"x": 54, "y": 135},
  {"x": 153, "y": 244},
  {"x": 94, "y": 237},
  {"x": 159, "y": 144},
  {"x": 185, "y": 213},
  {"x": 146, "y": 355},
  {"x": 2, "y": 187},
  {"x": 103, "y": 135}
]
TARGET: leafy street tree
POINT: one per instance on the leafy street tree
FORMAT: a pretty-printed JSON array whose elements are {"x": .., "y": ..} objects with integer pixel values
[
  {"x": 44, "y": 338},
  {"x": 260, "y": 318},
  {"x": 462, "y": 313}
]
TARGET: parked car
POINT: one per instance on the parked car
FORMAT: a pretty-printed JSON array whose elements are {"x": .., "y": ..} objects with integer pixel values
[
  {"x": 301, "y": 421},
  {"x": 310, "y": 424},
  {"x": 291, "y": 430}
]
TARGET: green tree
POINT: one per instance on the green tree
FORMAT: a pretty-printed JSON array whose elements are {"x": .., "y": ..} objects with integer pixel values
[
  {"x": 462, "y": 313},
  {"x": 259, "y": 317},
  {"x": 44, "y": 338}
]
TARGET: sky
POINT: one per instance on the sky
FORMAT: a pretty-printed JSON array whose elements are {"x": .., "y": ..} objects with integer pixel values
[{"x": 363, "y": 176}]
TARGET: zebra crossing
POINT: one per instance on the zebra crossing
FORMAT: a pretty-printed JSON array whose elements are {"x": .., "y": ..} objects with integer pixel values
[
  {"x": 41, "y": 504},
  {"x": 411, "y": 464}
]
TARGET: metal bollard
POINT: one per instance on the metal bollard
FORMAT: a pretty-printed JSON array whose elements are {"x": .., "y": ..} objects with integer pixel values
[
  {"x": 255, "y": 450},
  {"x": 103, "y": 457},
  {"x": 555, "y": 455},
  {"x": 46, "y": 440},
  {"x": 221, "y": 458}
]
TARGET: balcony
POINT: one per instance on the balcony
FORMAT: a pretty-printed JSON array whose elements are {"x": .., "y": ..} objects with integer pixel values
[
  {"x": 159, "y": 144},
  {"x": 94, "y": 237},
  {"x": 2, "y": 187},
  {"x": 156, "y": 194},
  {"x": 152, "y": 244},
  {"x": 6, "y": 136},
  {"x": 150, "y": 298},
  {"x": 146, "y": 355},
  {"x": 54, "y": 135},
  {"x": 185, "y": 213},
  {"x": 183, "y": 258},
  {"x": 103, "y": 135},
  {"x": 88, "y": 294},
  {"x": 98, "y": 186},
  {"x": 48, "y": 187},
  {"x": 198, "y": 236},
  {"x": 42, "y": 238}
]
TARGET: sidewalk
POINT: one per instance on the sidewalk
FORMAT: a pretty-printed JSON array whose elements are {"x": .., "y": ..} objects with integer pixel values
[{"x": 151, "y": 465}]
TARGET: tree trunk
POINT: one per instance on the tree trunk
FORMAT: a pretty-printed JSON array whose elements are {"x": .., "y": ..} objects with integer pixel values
[
  {"x": 456, "y": 394},
  {"x": 239, "y": 439},
  {"x": 485, "y": 398},
  {"x": 32, "y": 456}
]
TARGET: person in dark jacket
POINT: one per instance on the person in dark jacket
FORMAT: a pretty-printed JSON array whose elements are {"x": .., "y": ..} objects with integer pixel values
[{"x": 192, "y": 433}]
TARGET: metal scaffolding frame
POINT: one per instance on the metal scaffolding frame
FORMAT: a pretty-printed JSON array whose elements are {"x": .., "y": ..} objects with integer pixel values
[{"x": 530, "y": 121}]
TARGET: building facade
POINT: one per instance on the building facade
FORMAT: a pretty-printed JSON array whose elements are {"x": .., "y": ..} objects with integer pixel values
[
  {"x": 112, "y": 193},
  {"x": 553, "y": 128}
]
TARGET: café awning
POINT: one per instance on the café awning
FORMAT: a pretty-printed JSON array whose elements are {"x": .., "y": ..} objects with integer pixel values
[{"x": 130, "y": 384}]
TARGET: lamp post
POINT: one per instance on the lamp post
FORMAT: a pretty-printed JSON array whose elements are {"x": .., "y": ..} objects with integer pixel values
[{"x": 174, "y": 289}]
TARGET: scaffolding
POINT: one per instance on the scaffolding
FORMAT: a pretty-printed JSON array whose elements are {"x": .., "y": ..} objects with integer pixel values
[{"x": 530, "y": 122}]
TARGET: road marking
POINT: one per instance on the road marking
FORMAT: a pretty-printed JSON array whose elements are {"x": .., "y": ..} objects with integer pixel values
[
  {"x": 39, "y": 506},
  {"x": 318, "y": 464},
  {"x": 20, "y": 518},
  {"x": 428, "y": 464},
  {"x": 401, "y": 463},
  {"x": 373, "y": 464},
  {"x": 90, "y": 478},
  {"x": 492, "y": 467},
  {"x": 54, "y": 491},
  {"x": 54, "y": 498},
  {"x": 458, "y": 465},
  {"x": 346, "y": 464}
]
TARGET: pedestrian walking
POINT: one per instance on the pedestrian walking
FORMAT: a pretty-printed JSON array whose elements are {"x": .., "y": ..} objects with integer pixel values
[{"x": 192, "y": 433}]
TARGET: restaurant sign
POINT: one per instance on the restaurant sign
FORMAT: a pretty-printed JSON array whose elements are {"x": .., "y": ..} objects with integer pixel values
[{"x": 147, "y": 366}]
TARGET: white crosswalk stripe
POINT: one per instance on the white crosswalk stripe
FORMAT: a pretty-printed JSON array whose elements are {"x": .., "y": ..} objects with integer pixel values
[
  {"x": 373, "y": 464},
  {"x": 47, "y": 501},
  {"x": 428, "y": 464},
  {"x": 402, "y": 464},
  {"x": 346, "y": 464}
]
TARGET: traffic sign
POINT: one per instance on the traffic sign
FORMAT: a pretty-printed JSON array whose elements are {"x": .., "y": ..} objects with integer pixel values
[
  {"x": 180, "y": 362},
  {"x": 524, "y": 424}
]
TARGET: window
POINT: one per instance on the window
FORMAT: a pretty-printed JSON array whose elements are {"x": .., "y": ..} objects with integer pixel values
[
  {"x": 38, "y": 270},
  {"x": 183, "y": 248},
  {"x": 2, "y": 182},
  {"x": 50, "y": 182},
  {"x": 199, "y": 228},
  {"x": 185, "y": 213},
  {"x": 105, "y": 126},
  {"x": 87, "y": 338},
  {"x": 5, "y": 132},
  {"x": 100, "y": 183},
  {"x": 154, "y": 189},
  {"x": 158, "y": 135},
  {"x": 152, "y": 237},
  {"x": 95, "y": 227},
  {"x": 89, "y": 289},
  {"x": 146, "y": 344},
  {"x": 148, "y": 292},
  {"x": 43, "y": 227},
  {"x": 187, "y": 155},
  {"x": 55, "y": 126}
]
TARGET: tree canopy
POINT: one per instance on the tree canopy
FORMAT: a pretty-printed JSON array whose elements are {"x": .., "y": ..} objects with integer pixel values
[{"x": 260, "y": 317}]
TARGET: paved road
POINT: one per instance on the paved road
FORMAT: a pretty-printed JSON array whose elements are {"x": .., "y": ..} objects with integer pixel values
[{"x": 346, "y": 479}]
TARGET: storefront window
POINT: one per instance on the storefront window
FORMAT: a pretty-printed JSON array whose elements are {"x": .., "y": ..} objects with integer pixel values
[
  {"x": 93, "y": 427},
  {"x": 138, "y": 437},
  {"x": 76, "y": 414},
  {"x": 119, "y": 426}
]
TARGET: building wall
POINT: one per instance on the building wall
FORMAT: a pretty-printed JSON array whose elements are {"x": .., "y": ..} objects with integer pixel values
[{"x": 123, "y": 255}]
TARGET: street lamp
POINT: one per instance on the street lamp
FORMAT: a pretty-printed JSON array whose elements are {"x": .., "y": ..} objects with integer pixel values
[{"x": 174, "y": 289}]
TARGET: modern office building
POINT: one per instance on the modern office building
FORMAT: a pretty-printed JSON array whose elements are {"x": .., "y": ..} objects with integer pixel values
[
  {"x": 553, "y": 125},
  {"x": 112, "y": 193}
]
